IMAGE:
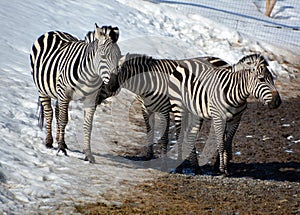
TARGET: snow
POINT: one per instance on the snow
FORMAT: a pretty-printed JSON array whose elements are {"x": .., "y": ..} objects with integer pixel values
[
  {"x": 35, "y": 179},
  {"x": 281, "y": 27}
]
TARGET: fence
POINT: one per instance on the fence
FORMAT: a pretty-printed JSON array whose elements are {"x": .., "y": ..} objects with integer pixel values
[{"x": 281, "y": 29}]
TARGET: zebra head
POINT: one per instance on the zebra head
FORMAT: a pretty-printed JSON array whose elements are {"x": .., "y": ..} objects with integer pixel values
[
  {"x": 126, "y": 70},
  {"x": 108, "y": 52},
  {"x": 261, "y": 80}
]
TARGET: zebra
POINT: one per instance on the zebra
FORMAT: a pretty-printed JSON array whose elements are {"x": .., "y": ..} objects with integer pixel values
[
  {"x": 206, "y": 73},
  {"x": 151, "y": 103},
  {"x": 148, "y": 78},
  {"x": 203, "y": 92},
  {"x": 65, "y": 68}
]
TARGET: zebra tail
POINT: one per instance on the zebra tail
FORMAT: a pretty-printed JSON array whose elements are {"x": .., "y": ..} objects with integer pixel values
[{"x": 40, "y": 114}]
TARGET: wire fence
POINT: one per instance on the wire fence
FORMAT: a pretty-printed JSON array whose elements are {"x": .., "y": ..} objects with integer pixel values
[{"x": 280, "y": 29}]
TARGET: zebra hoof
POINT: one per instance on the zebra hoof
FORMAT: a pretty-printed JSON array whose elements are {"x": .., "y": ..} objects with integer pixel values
[
  {"x": 90, "y": 158},
  {"x": 149, "y": 156},
  {"x": 49, "y": 145},
  {"x": 150, "y": 152},
  {"x": 62, "y": 147},
  {"x": 224, "y": 172},
  {"x": 49, "y": 142}
]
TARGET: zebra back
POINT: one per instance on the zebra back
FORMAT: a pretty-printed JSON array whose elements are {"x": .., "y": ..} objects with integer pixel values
[
  {"x": 89, "y": 37},
  {"x": 217, "y": 62}
]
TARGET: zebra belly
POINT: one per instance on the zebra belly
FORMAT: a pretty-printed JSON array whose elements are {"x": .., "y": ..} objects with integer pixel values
[
  {"x": 83, "y": 93},
  {"x": 197, "y": 110},
  {"x": 198, "y": 105},
  {"x": 86, "y": 93},
  {"x": 48, "y": 90}
]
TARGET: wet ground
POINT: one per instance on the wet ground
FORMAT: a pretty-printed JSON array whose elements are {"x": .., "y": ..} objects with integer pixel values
[{"x": 265, "y": 172}]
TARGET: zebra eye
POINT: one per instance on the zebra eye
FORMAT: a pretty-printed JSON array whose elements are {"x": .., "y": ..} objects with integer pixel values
[{"x": 261, "y": 79}]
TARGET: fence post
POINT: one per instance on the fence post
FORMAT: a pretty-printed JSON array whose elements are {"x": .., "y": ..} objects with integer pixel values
[{"x": 269, "y": 6}]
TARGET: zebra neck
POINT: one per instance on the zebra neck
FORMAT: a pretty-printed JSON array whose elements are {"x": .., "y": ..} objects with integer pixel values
[
  {"x": 236, "y": 89},
  {"x": 88, "y": 68}
]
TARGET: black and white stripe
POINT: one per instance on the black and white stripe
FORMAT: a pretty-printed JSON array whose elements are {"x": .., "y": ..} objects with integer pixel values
[
  {"x": 65, "y": 68},
  {"x": 149, "y": 79},
  {"x": 200, "y": 89},
  {"x": 219, "y": 94},
  {"x": 112, "y": 32}
]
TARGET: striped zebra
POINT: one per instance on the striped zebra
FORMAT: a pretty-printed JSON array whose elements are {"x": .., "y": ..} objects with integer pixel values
[
  {"x": 160, "y": 103},
  {"x": 205, "y": 87},
  {"x": 65, "y": 68},
  {"x": 148, "y": 78},
  {"x": 219, "y": 94}
]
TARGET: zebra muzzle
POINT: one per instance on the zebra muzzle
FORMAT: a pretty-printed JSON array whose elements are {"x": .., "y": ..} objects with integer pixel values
[
  {"x": 276, "y": 100},
  {"x": 113, "y": 84},
  {"x": 105, "y": 80}
]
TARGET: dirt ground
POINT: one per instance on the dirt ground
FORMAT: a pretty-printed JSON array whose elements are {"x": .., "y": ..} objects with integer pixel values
[{"x": 264, "y": 179}]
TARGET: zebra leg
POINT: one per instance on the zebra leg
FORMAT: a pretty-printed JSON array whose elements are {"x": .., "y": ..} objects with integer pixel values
[
  {"x": 180, "y": 134},
  {"x": 165, "y": 125},
  {"x": 63, "y": 106},
  {"x": 188, "y": 135},
  {"x": 210, "y": 149},
  {"x": 180, "y": 122},
  {"x": 231, "y": 127},
  {"x": 48, "y": 113},
  {"x": 177, "y": 118},
  {"x": 57, "y": 121},
  {"x": 87, "y": 129},
  {"x": 192, "y": 138},
  {"x": 219, "y": 127},
  {"x": 149, "y": 119}
]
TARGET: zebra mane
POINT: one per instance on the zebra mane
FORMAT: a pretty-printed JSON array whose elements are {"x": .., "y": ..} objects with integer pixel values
[
  {"x": 89, "y": 37},
  {"x": 253, "y": 59},
  {"x": 250, "y": 61},
  {"x": 112, "y": 32}
]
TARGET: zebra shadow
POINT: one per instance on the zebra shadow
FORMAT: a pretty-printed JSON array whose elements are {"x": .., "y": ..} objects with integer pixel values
[
  {"x": 276, "y": 171},
  {"x": 289, "y": 171},
  {"x": 164, "y": 164}
]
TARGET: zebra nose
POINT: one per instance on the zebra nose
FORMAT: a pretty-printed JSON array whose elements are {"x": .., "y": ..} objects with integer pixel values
[
  {"x": 106, "y": 80},
  {"x": 113, "y": 84},
  {"x": 276, "y": 100}
]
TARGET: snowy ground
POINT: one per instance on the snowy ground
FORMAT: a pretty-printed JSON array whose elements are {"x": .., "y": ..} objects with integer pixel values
[
  {"x": 32, "y": 177},
  {"x": 281, "y": 27}
]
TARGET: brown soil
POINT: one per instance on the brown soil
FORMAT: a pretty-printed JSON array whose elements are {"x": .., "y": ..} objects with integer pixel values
[{"x": 265, "y": 173}]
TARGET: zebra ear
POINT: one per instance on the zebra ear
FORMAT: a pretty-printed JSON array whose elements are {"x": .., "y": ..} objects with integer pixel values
[
  {"x": 111, "y": 32},
  {"x": 99, "y": 34},
  {"x": 114, "y": 34}
]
